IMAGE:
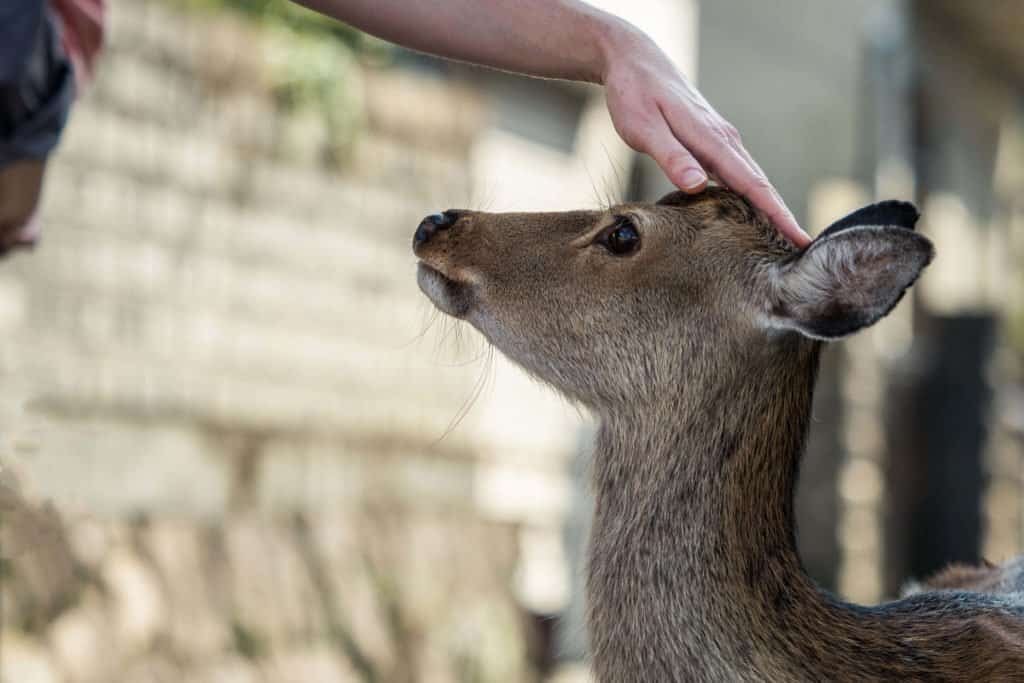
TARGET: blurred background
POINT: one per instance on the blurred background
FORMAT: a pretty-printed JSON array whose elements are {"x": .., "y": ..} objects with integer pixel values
[{"x": 236, "y": 443}]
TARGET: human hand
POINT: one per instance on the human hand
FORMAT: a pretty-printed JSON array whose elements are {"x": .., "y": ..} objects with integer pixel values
[
  {"x": 21, "y": 236},
  {"x": 84, "y": 22},
  {"x": 658, "y": 112},
  {"x": 21, "y": 184}
]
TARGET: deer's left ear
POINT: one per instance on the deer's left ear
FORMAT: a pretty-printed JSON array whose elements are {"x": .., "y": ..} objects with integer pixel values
[{"x": 852, "y": 274}]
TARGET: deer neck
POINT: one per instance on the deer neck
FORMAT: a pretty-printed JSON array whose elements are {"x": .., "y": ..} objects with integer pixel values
[{"x": 693, "y": 546}]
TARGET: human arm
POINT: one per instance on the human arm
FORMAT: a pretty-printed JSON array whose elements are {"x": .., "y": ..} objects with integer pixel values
[
  {"x": 653, "y": 106},
  {"x": 21, "y": 184},
  {"x": 36, "y": 92}
]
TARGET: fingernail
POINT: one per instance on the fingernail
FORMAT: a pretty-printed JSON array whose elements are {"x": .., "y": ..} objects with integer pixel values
[{"x": 692, "y": 178}]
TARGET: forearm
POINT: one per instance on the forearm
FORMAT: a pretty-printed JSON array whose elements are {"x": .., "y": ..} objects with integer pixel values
[
  {"x": 546, "y": 38},
  {"x": 652, "y": 105}
]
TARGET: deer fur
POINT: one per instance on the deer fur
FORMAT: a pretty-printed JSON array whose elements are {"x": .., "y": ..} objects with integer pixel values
[{"x": 697, "y": 353}]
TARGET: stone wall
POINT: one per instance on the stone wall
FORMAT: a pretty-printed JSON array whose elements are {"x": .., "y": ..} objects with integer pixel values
[
  {"x": 376, "y": 596},
  {"x": 221, "y": 427}
]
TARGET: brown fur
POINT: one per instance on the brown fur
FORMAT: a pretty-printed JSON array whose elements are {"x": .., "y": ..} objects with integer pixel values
[
  {"x": 988, "y": 578},
  {"x": 696, "y": 354}
]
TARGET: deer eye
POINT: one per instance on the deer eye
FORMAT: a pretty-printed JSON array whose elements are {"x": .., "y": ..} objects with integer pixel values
[{"x": 622, "y": 238}]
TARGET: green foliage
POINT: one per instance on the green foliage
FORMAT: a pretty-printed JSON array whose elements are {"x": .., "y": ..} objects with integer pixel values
[
  {"x": 247, "y": 641},
  {"x": 286, "y": 14},
  {"x": 313, "y": 64},
  {"x": 318, "y": 74}
]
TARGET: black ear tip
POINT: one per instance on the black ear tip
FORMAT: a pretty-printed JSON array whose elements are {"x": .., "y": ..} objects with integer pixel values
[
  {"x": 891, "y": 212},
  {"x": 897, "y": 212},
  {"x": 927, "y": 250}
]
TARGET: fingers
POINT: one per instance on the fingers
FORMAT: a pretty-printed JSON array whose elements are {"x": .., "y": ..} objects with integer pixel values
[
  {"x": 774, "y": 206},
  {"x": 19, "y": 235},
  {"x": 722, "y": 153},
  {"x": 738, "y": 174},
  {"x": 681, "y": 167}
]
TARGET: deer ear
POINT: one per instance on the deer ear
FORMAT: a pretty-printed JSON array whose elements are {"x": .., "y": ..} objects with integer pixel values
[
  {"x": 852, "y": 274},
  {"x": 891, "y": 212}
]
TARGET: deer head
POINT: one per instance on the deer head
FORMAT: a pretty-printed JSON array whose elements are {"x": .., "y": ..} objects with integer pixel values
[{"x": 618, "y": 307}]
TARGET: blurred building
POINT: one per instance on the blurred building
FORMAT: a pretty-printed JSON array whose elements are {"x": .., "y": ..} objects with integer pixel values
[{"x": 226, "y": 452}]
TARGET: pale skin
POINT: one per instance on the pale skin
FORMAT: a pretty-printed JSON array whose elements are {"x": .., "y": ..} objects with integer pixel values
[{"x": 654, "y": 107}]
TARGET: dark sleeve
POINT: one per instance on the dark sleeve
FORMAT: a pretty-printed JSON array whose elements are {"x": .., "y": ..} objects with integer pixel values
[
  {"x": 20, "y": 24},
  {"x": 37, "y": 84}
]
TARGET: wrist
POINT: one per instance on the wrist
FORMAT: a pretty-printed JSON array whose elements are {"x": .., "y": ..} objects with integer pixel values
[{"x": 613, "y": 38}]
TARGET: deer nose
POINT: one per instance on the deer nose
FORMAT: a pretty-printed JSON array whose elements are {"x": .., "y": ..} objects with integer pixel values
[{"x": 433, "y": 224}]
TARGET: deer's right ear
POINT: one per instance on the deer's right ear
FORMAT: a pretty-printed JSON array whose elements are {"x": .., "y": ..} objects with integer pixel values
[{"x": 852, "y": 274}]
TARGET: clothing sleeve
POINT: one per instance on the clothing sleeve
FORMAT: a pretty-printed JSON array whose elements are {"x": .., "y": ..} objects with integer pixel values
[
  {"x": 20, "y": 23},
  {"x": 37, "y": 83}
]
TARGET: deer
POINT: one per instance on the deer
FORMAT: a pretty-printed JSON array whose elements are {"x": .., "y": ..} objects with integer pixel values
[{"x": 692, "y": 331}]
